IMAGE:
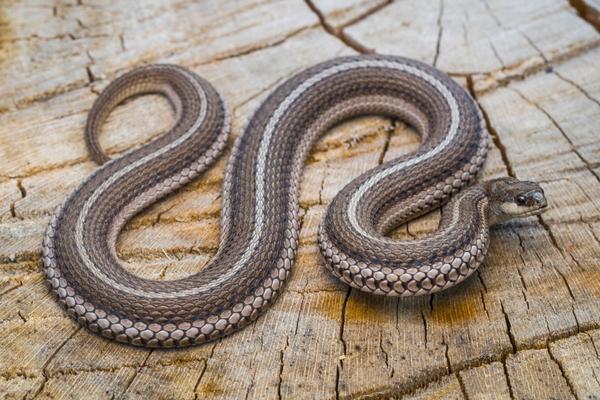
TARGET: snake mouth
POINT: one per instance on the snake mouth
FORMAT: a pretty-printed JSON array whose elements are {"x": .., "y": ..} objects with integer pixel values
[
  {"x": 536, "y": 211},
  {"x": 513, "y": 210}
]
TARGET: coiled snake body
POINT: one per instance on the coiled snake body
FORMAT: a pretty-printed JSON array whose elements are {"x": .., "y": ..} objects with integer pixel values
[{"x": 259, "y": 229}]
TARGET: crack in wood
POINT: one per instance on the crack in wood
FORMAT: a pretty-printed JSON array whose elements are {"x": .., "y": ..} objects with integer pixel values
[
  {"x": 578, "y": 87},
  {"x": 257, "y": 48},
  {"x": 507, "y": 376},
  {"x": 555, "y": 123},
  {"x": 440, "y": 33},
  {"x": 382, "y": 351},
  {"x": 425, "y": 332},
  {"x": 281, "y": 365},
  {"x": 340, "y": 34},
  {"x": 562, "y": 371},
  {"x": 448, "y": 363},
  {"x": 513, "y": 73},
  {"x": 497, "y": 142},
  {"x": 366, "y": 14},
  {"x": 340, "y": 365},
  {"x": 47, "y": 362},
  {"x": 463, "y": 386},
  {"x": 519, "y": 272},
  {"x": 534, "y": 46},
  {"x": 496, "y": 54},
  {"x": 122, "y": 42},
  {"x": 492, "y": 14},
  {"x": 137, "y": 371},
  {"x": 389, "y": 131},
  {"x": 511, "y": 336},
  {"x": 13, "y": 205}
]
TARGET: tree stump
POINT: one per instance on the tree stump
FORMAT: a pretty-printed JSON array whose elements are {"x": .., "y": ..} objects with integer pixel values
[{"x": 526, "y": 326}]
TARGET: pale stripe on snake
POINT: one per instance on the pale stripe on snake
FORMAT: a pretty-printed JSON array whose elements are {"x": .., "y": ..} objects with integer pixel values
[{"x": 260, "y": 222}]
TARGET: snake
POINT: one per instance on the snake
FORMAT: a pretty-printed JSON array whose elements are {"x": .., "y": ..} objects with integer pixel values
[{"x": 260, "y": 211}]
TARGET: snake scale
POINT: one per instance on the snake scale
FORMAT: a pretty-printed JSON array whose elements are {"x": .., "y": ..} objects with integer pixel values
[{"x": 260, "y": 210}]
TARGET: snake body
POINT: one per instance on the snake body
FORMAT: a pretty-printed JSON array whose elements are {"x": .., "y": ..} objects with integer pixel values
[{"x": 260, "y": 210}]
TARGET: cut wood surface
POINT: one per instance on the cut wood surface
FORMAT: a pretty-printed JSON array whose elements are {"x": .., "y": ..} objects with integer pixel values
[{"x": 526, "y": 326}]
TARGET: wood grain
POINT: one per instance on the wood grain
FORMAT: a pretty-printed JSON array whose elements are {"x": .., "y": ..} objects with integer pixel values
[{"x": 526, "y": 326}]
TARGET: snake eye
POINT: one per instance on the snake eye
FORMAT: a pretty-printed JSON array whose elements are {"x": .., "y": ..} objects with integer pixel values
[{"x": 521, "y": 200}]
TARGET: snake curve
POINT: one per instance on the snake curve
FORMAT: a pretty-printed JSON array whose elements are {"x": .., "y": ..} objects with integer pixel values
[{"x": 260, "y": 210}]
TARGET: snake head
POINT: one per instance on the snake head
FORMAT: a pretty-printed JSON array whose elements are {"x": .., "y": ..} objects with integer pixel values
[{"x": 511, "y": 198}]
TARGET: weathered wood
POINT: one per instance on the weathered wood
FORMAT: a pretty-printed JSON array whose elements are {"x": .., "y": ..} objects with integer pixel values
[
  {"x": 485, "y": 382},
  {"x": 446, "y": 388},
  {"x": 578, "y": 359},
  {"x": 534, "y": 375},
  {"x": 527, "y": 325}
]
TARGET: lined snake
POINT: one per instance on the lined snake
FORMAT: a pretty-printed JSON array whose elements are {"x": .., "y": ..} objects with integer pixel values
[{"x": 260, "y": 210}]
